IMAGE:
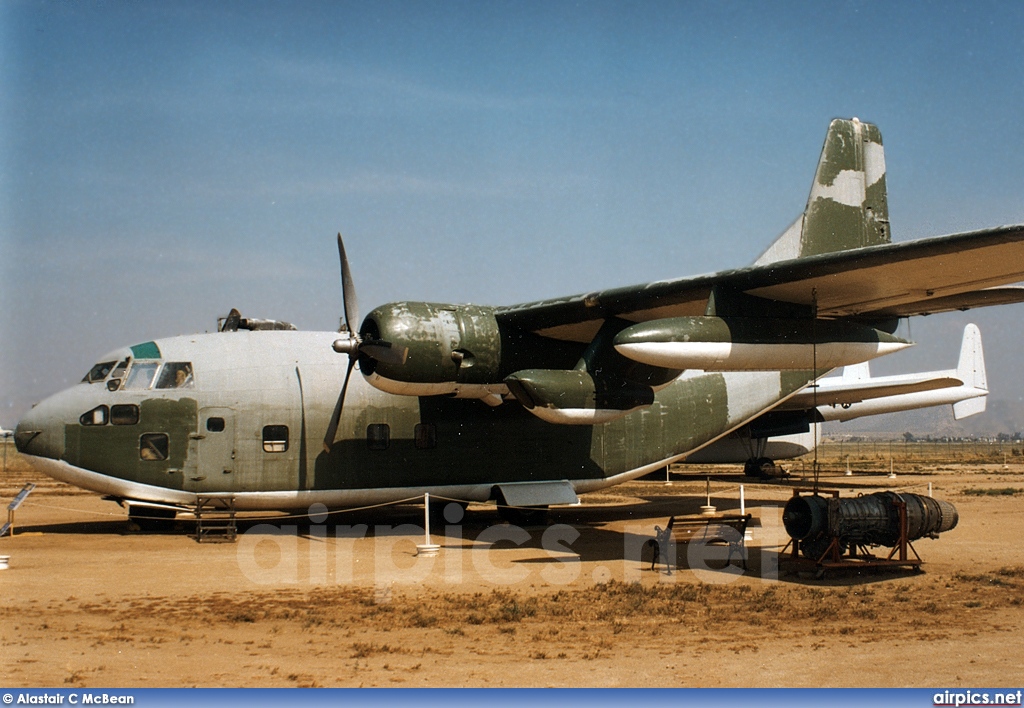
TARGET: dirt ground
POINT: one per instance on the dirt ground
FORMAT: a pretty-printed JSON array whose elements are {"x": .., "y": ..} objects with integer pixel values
[{"x": 336, "y": 603}]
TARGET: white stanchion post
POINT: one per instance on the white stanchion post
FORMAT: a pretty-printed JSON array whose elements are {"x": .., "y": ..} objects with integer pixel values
[
  {"x": 427, "y": 548},
  {"x": 708, "y": 510},
  {"x": 747, "y": 535},
  {"x": 426, "y": 518}
]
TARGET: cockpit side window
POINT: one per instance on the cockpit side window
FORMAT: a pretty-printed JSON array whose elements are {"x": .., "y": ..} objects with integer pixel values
[
  {"x": 118, "y": 375},
  {"x": 99, "y": 372},
  {"x": 175, "y": 374},
  {"x": 141, "y": 376}
]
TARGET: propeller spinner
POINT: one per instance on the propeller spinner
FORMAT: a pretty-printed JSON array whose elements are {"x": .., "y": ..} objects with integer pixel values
[{"x": 354, "y": 344}]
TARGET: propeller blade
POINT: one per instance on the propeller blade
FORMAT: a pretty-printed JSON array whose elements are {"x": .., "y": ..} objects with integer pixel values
[
  {"x": 332, "y": 429},
  {"x": 384, "y": 352},
  {"x": 348, "y": 291}
]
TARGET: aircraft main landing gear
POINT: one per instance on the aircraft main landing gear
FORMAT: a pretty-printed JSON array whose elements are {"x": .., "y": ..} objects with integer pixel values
[{"x": 763, "y": 468}]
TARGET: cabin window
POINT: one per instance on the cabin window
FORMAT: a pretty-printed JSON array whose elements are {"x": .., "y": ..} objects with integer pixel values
[
  {"x": 378, "y": 436},
  {"x": 141, "y": 376},
  {"x": 216, "y": 425},
  {"x": 99, "y": 372},
  {"x": 97, "y": 416},
  {"x": 124, "y": 414},
  {"x": 426, "y": 436},
  {"x": 153, "y": 446},
  {"x": 175, "y": 374},
  {"x": 275, "y": 438}
]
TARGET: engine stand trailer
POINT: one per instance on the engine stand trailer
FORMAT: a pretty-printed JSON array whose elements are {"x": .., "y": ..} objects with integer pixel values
[{"x": 858, "y": 555}]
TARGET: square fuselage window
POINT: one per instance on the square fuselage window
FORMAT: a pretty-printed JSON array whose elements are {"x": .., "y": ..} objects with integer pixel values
[
  {"x": 124, "y": 414},
  {"x": 153, "y": 447},
  {"x": 378, "y": 436},
  {"x": 275, "y": 438}
]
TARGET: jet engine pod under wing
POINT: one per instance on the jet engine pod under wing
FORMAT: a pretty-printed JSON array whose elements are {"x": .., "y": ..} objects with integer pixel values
[
  {"x": 574, "y": 397},
  {"x": 753, "y": 344}
]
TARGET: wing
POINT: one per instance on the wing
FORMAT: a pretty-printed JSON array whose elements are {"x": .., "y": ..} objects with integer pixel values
[{"x": 955, "y": 272}]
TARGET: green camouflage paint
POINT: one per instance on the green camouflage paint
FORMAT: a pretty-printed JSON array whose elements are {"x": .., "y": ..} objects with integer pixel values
[
  {"x": 848, "y": 206},
  {"x": 114, "y": 449}
]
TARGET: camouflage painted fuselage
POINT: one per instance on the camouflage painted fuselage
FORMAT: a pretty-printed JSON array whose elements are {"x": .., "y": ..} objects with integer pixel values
[{"x": 247, "y": 383}]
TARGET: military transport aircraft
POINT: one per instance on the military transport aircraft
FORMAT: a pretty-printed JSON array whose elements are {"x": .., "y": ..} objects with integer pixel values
[
  {"x": 529, "y": 404},
  {"x": 793, "y": 428}
]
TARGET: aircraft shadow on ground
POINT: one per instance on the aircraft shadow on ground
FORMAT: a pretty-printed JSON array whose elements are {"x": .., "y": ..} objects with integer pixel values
[{"x": 595, "y": 543}]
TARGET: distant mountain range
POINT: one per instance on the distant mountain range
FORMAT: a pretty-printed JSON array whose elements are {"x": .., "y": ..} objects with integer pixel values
[{"x": 1003, "y": 416}]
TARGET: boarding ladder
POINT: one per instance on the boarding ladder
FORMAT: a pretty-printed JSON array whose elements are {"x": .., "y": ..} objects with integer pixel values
[
  {"x": 13, "y": 506},
  {"x": 215, "y": 520}
]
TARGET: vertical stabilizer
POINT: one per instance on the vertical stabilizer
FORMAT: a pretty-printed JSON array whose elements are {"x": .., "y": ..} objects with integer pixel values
[
  {"x": 847, "y": 207},
  {"x": 971, "y": 370},
  {"x": 857, "y": 372}
]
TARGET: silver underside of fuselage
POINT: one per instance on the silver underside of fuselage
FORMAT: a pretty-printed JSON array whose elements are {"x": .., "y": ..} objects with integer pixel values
[{"x": 299, "y": 500}]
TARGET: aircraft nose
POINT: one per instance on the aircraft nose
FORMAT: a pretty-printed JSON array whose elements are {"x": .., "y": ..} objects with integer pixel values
[{"x": 41, "y": 431}]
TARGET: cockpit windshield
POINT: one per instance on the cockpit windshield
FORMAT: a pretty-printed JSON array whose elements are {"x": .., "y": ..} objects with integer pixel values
[
  {"x": 99, "y": 372},
  {"x": 141, "y": 375},
  {"x": 175, "y": 374}
]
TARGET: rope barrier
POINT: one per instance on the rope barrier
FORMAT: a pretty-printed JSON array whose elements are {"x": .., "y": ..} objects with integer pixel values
[{"x": 344, "y": 510}]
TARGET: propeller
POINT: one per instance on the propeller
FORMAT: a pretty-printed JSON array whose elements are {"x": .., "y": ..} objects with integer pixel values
[{"x": 355, "y": 345}]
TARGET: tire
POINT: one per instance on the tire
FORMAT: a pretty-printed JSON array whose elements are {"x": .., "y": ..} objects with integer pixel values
[{"x": 151, "y": 519}]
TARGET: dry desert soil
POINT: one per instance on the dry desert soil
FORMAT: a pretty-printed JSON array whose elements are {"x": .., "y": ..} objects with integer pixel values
[{"x": 346, "y": 601}]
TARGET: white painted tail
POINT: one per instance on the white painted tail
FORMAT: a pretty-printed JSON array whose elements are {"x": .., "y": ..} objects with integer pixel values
[{"x": 971, "y": 370}]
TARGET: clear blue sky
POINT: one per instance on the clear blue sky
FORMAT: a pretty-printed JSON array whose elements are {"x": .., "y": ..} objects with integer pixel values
[{"x": 161, "y": 163}]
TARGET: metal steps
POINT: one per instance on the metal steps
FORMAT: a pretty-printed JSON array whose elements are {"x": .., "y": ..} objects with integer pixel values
[{"x": 215, "y": 520}]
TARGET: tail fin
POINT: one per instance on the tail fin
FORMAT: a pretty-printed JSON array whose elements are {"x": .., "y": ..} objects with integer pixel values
[
  {"x": 971, "y": 370},
  {"x": 848, "y": 207},
  {"x": 857, "y": 372}
]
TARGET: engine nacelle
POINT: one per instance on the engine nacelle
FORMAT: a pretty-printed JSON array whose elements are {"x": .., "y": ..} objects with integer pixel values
[
  {"x": 573, "y": 397},
  {"x": 453, "y": 350},
  {"x": 753, "y": 343}
]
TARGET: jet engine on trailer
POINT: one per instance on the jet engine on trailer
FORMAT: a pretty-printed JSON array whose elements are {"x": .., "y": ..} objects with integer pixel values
[{"x": 869, "y": 520}]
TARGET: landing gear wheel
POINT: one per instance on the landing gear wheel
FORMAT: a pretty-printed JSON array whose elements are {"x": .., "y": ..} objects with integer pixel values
[
  {"x": 151, "y": 519},
  {"x": 751, "y": 468},
  {"x": 761, "y": 467},
  {"x": 523, "y": 516}
]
